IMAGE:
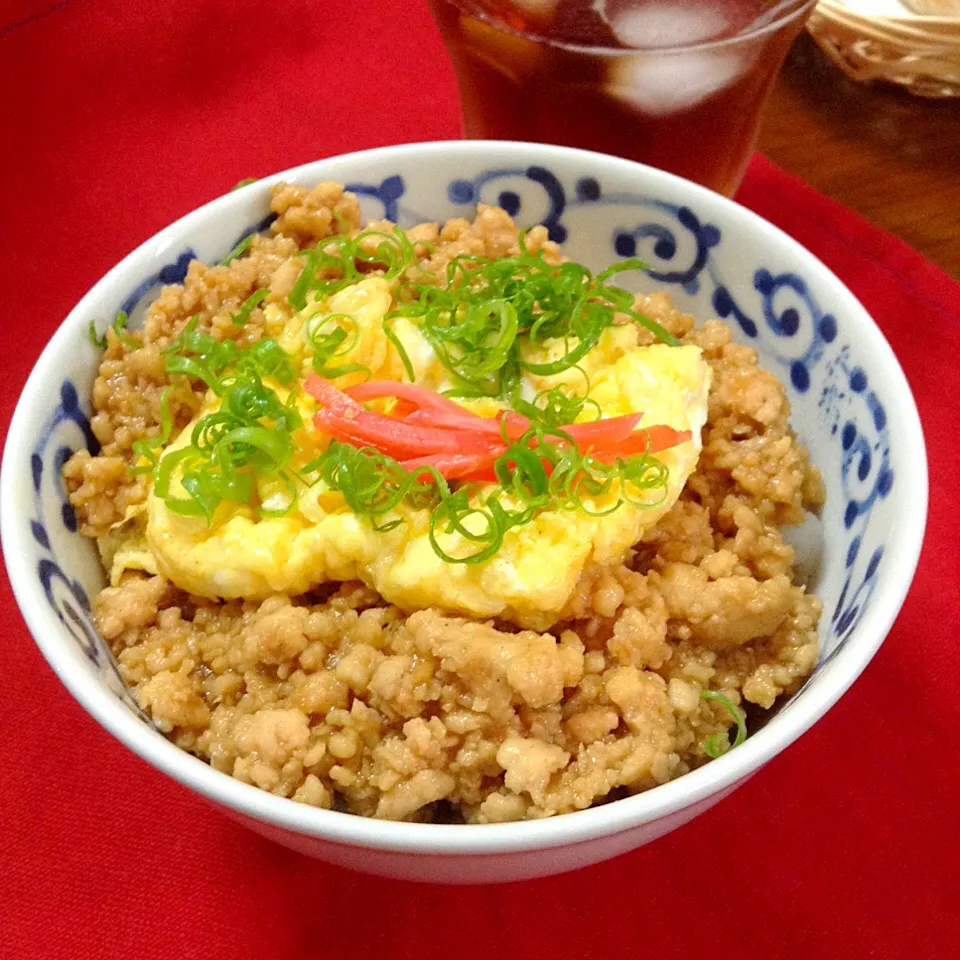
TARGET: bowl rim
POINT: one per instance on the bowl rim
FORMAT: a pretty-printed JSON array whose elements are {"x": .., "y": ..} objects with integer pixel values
[{"x": 662, "y": 801}]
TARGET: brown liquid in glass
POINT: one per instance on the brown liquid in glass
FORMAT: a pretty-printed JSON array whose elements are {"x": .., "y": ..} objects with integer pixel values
[{"x": 624, "y": 81}]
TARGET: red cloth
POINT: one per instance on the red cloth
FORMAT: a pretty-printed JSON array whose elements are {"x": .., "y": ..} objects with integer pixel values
[{"x": 119, "y": 117}]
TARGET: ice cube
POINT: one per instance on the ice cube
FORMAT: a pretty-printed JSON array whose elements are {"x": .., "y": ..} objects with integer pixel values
[
  {"x": 664, "y": 24},
  {"x": 666, "y": 82}
]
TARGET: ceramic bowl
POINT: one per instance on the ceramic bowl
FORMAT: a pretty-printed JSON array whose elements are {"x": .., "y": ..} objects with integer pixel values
[{"x": 851, "y": 407}]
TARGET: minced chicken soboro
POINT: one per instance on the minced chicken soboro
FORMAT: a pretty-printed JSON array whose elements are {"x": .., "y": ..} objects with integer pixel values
[{"x": 339, "y": 700}]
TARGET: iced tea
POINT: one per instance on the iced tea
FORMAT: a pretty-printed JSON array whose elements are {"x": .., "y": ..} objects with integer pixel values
[{"x": 678, "y": 84}]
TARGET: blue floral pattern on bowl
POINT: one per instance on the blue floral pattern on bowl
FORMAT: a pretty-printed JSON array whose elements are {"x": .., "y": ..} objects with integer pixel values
[
  {"x": 66, "y": 430},
  {"x": 782, "y": 317}
]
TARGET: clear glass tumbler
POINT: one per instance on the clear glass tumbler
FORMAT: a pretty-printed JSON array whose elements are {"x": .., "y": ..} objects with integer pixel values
[{"x": 678, "y": 84}]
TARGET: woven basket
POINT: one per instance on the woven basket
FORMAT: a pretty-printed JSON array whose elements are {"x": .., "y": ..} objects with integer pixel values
[
  {"x": 935, "y": 8},
  {"x": 889, "y": 40}
]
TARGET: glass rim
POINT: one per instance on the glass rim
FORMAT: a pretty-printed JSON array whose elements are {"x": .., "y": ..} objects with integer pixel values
[{"x": 790, "y": 13}]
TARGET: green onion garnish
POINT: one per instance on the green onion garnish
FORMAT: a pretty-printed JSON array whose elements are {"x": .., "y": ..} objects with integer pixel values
[
  {"x": 391, "y": 335},
  {"x": 149, "y": 448},
  {"x": 248, "y": 305},
  {"x": 557, "y": 405},
  {"x": 238, "y": 250},
  {"x": 372, "y": 483},
  {"x": 243, "y": 183},
  {"x": 719, "y": 743},
  {"x": 543, "y": 469},
  {"x": 248, "y": 438},
  {"x": 479, "y": 319},
  {"x": 483, "y": 311},
  {"x": 98, "y": 340},
  {"x": 335, "y": 263},
  {"x": 120, "y": 327},
  {"x": 333, "y": 335},
  {"x": 495, "y": 520}
]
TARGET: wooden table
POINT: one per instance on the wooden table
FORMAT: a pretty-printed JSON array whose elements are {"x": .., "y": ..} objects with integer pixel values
[{"x": 892, "y": 157}]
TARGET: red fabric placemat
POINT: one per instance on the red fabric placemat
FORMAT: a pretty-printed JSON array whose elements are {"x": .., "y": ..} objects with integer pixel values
[{"x": 119, "y": 117}]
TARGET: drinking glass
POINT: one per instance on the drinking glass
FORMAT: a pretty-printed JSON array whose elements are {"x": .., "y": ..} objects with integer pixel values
[{"x": 677, "y": 84}]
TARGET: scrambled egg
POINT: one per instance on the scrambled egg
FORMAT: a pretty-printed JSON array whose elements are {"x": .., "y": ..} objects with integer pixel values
[{"x": 532, "y": 576}]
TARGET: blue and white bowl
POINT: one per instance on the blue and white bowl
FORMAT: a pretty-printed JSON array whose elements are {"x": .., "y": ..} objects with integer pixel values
[{"x": 851, "y": 407}]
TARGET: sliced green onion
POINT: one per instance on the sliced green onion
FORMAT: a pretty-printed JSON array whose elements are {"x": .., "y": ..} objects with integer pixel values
[
  {"x": 391, "y": 335},
  {"x": 556, "y": 406},
  {"x": 297, "y": 297},
  {"x": 627, "y": 302},
  {"x": 451, "y": 515},
  {"x": 98, "y": 340},
  {"x": 248, "y": 306},
  {"x": 479, "y": 319},
  {"x": 119, "y": 328},
  {"x": 266, "y": 358},
  {"x": 148, "y": 448},
  {"x": 335, "y": 263},
  {"x": 163, "y": 478},
  {"x": 333, "y": 335},
  {"x": 719, "y": 744},
  {"x": 372, "y": 483},
  {"x": 393, "y": 252},
  {"x": 194, "y": 368},
  {"x": 248, "y": 437},
  {"x": 238, "y": 250}
]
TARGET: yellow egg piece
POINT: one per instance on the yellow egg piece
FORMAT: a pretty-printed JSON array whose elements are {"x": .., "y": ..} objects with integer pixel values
[{"x": 531, "y": 577}]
